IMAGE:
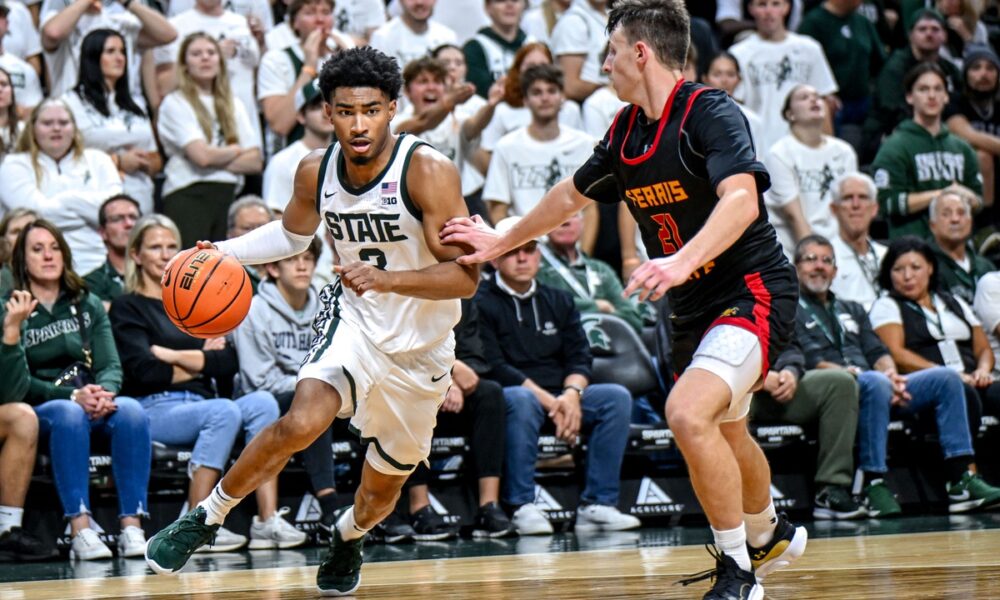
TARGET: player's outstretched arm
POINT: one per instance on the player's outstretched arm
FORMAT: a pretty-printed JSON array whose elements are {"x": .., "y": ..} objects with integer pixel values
[
  {"x": 435, "y": 188},
  {"x": 289, "y": 236},
  {"x": 558, "y": 204}
]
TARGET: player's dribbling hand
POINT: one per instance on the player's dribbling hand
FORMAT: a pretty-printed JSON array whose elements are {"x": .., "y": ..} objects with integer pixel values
[
  {"x": 655, "y": 277},
  {"x": 475, "y": 234},
  {"x": 361, "y": 277}
]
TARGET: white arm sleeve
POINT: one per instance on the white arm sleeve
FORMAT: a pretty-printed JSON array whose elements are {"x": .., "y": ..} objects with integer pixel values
[{"x": 265, "y": 244}]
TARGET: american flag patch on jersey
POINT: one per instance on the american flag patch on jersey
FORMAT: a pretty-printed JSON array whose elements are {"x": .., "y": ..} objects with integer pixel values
[{"x": 389, "y": 187}]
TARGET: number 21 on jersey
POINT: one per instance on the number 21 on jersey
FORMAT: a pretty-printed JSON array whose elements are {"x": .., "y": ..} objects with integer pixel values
[{"x": 670, "y": 239}]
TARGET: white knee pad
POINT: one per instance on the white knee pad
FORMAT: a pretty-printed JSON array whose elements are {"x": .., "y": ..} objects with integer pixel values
[{"x": 734, "y": 355}]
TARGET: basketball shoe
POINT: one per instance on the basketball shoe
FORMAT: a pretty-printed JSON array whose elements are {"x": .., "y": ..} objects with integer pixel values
[
  {"x": 172, "y": 546},
  {"x": 788, "y": 543},
  {"x": 730, "y": 582},
  {"x": 340, "y": 572}
]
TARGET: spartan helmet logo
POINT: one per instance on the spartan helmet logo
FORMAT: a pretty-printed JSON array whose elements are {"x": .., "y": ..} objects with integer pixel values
[{"x": 596, "y": 336}]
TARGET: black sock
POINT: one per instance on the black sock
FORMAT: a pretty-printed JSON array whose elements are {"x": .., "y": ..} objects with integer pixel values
[
  {"x": 871, "y": 476},
  {"x": 956, "y": 467},
  {"x": 328, "y": 503}
]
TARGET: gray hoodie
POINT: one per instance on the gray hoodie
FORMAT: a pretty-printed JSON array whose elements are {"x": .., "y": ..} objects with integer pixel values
[{"x": 273, "y": 340}]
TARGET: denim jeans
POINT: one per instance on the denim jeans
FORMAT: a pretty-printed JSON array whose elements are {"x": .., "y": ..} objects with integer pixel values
[
  {"x": 210, "y": 425},
  {"x": 938, "y": 388},
  {"x": 606, "y": 408},
  {"x": 69, "y": 428}
]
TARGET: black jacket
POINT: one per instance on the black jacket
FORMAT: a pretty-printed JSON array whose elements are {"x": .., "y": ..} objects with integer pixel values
[{"x": 538, "y": 338}]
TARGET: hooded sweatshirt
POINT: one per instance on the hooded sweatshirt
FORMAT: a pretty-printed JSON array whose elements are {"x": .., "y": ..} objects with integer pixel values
[
  {"x": 536, "y": 335},
  {"x": 912, "y": 160},
  {"x": 273, "y": 340}
]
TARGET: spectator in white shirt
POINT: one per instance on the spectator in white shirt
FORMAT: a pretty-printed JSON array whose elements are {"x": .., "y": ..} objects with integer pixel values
[
  {"x": 209, "y": 142},
  {"x": 22, "y": 38},
  {"x": 286, "y": 79},
  {"x": 54, "y": 175},
  {"x": 540, "y": 20},
  {"x": 855, "y": 205},
  {"x": 444, "y": 110},
  {"x": 109, "y": 119},
  {"x": 10, "y": 123},
  {"x": 413, "y": 33},
  {"x": 512, "y": 114},
  {"x": 256, "y": 14},
  {"x": 987, "y": 308},
  {"x": 21, "y": 74},
  {"x": 578, "y": 41},
  {"x": 530, "y": 160},
  {"x": 803, "y": 166},
  {"x": 774, "y": 60},
  {"x": 65, "y": 22},
  {"x": 239, "y": 48}
]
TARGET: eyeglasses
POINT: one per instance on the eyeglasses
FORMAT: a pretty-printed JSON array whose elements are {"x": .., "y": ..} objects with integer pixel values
[
  {"x": 121, "y": 218},
  {"x": 811, "y": 258}
]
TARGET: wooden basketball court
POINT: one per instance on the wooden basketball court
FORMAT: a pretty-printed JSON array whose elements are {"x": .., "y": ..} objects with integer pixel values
[{"x": 962, "y": 564}]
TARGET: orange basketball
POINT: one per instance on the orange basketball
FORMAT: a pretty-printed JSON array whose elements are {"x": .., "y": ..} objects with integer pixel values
[{"x": 206, "y": 293}]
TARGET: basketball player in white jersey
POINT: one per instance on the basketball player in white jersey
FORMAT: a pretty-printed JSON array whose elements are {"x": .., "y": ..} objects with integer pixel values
[{"x": 383, "y": 349}]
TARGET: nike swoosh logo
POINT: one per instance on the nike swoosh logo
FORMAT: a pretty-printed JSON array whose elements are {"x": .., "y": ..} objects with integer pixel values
[
  {"x": 329, "y": 194},
  {"x": 958, "y": 497},
  {"x": 168, "y": 277},
  {"x": 811, "y": 324},
  {"x": 437, "y": 379}
]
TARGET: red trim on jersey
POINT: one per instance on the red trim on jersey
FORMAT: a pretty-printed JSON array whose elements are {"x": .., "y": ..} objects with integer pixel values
[
  {"x": 659, "y": 131},
  {"x": 760, "y": 326},
  {"x": 690, "y": 103}
]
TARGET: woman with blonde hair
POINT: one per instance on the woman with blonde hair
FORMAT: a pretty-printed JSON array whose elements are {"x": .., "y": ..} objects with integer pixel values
[
  {"x": 52, "y": 174},
  {"x": 179, "y": 379},
  {"x": 209, "y": 141},
  {"x": 539, "y": 21}
]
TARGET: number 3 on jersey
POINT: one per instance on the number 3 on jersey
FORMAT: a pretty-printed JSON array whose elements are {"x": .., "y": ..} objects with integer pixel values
[
  {"x": 670, "y": 240},
  {"x": 374, "y": 256}
]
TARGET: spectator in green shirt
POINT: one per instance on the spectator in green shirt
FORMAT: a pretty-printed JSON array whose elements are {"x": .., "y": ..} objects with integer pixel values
[
  {"x": 491, "y": 51},
  {"x": 115, "y": 219},
  {"x": 922, "y": 158},
  {"x": 959, "y": 266}
]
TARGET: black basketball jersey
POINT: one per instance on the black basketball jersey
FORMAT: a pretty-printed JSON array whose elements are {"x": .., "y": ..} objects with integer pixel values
[{"x": 668, "y": 171}]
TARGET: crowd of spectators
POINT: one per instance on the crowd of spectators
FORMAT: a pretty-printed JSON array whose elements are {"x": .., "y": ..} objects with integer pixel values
[{"x": 129, "y": 129}]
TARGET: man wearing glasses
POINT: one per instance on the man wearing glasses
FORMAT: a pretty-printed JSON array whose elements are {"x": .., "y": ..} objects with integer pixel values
[
  {"x": 115, "y": 220},
  {"x": 836, "y": 334}
]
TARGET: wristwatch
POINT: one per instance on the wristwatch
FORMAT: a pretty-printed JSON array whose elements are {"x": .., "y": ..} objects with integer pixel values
[{"x": 579, "y": 390}]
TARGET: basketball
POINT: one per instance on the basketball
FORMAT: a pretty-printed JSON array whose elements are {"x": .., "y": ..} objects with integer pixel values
[{"x": 206, "y": 293}]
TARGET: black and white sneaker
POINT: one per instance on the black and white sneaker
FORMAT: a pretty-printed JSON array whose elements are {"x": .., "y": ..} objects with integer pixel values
[
  {"x": 392, "y": 530},
  {"x": 788, "y": 544},
  {"x": 428, "y": 526},
  {"x": 730, "y": 581},
  {"x": 492, "y": 522}
]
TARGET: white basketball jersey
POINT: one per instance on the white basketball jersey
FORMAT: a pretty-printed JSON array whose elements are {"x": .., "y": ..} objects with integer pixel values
[{"x": 379, "y": 224}]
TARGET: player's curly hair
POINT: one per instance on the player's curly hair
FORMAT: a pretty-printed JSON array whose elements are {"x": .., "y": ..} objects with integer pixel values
[{"x": 361, "y": 67}]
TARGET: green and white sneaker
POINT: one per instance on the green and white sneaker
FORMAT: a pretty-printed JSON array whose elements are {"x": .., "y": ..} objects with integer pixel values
[
  {"x": 340, "y": 572},
  {"x": 172, "y": 546},
  {"x": 970, "y": 493},
  {"x": 879, "y": 501}
]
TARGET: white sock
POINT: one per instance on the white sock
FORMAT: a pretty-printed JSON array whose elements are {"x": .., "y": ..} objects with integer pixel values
[
  {"x": 217, "y": 505},
  {"x": 760, "y": 527},
  {"x": 348, "y": 527},
  {"x": 10, "y": 516},
  {"x": 733, "y": 543}
]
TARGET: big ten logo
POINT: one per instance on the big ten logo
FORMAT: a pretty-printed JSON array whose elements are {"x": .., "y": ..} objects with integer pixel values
[{"x": 193, "y": 268}]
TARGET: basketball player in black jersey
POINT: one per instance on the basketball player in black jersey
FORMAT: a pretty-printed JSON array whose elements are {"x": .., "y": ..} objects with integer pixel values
[{"x": 681, "y": 156}]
